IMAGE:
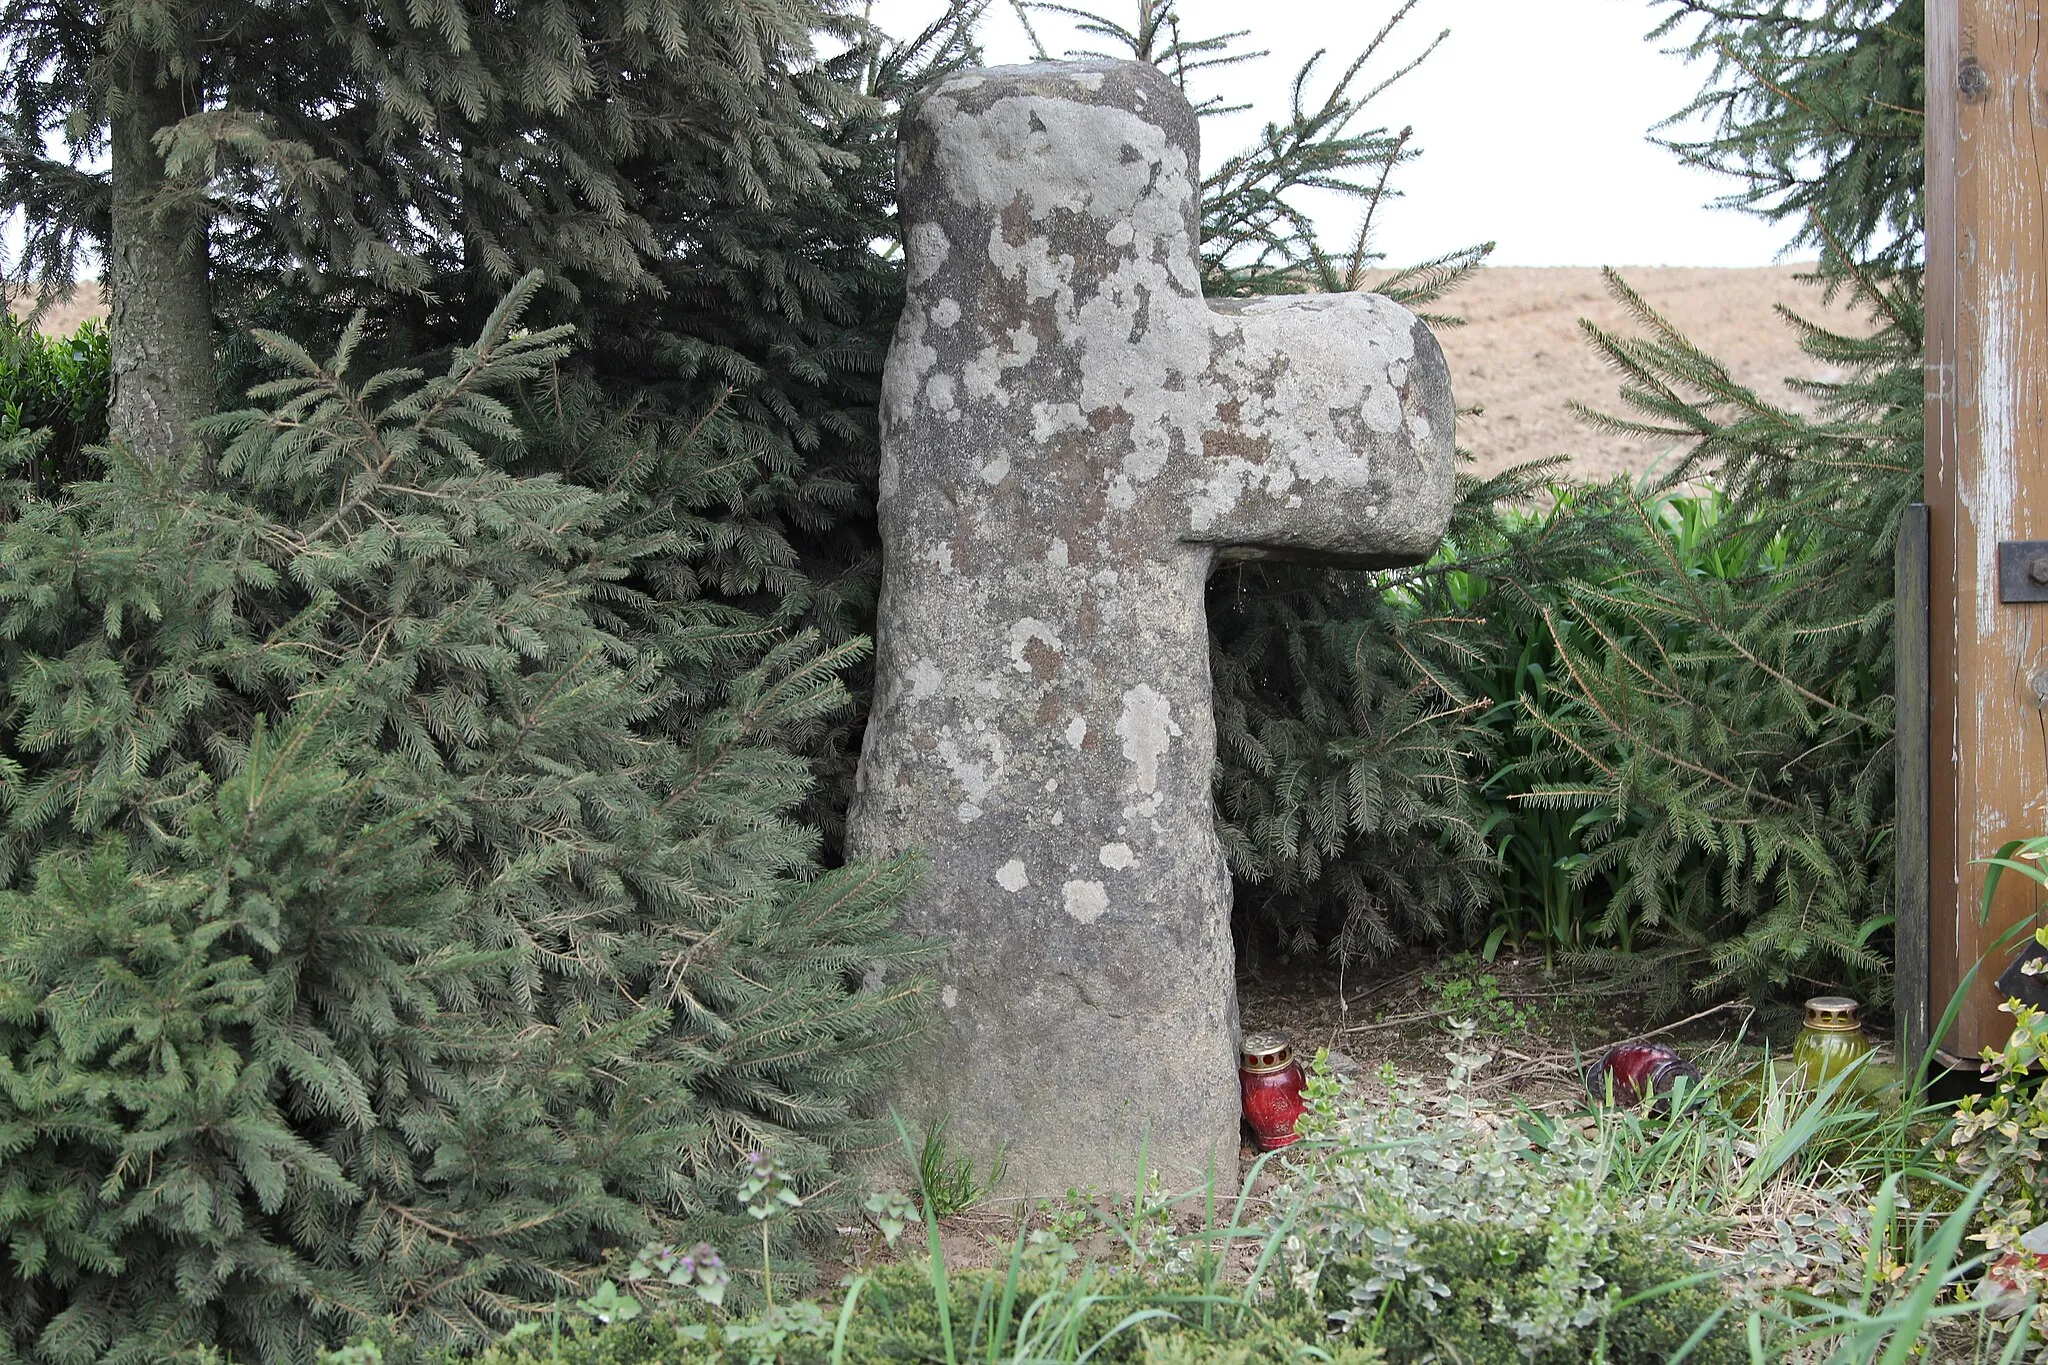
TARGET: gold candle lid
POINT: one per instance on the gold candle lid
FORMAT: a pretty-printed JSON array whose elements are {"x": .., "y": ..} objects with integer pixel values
[
  {"x": 1832, "y": 1014},
  {"x": 1263, "y": 1052}
]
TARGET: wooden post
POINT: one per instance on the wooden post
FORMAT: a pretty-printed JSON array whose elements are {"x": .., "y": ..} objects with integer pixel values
[
  {"x": 1987, "y": 482},
  {"x": 1910, "y": 1006}
]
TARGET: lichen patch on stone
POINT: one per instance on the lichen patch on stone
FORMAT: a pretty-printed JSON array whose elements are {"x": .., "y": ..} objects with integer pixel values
[
  {"x": 927, "y": 248},
  {"x": 1146, "y": 727},
  {"x": 925, "y": 679},
  {"x": 1116, "y": 857},
  {"x": 1023, "y": 634},
  {"x": 1085, "y": 901}
]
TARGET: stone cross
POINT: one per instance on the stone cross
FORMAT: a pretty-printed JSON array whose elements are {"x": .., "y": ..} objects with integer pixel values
[{"x": 1071, "y": 436}]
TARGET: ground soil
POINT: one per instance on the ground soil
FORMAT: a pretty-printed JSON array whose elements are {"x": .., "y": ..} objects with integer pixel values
[{"x": 65, "y": 315}]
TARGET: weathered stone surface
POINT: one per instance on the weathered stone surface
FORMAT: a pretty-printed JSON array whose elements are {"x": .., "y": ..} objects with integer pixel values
[{"x": 1071, "y": 435}]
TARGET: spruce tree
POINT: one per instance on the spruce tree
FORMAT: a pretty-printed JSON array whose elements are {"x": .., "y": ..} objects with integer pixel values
[
  {"x": 414, "y": 160},
  {"x": 1735, "y": 729},
  {"x": 408, "y": 906},
  {"x": 706, "y": 185},
  {"x": 1816, "y": 111}
]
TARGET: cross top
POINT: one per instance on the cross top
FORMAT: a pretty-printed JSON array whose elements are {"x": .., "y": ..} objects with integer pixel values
[{"x": 1071, "y": 435}]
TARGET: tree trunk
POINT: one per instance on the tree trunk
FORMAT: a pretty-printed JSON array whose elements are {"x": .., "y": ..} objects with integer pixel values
[{"x": 160, "y": 314}]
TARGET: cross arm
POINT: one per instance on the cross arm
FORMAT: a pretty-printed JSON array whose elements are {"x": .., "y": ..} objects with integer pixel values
[{"x": 1330, "y": 439}]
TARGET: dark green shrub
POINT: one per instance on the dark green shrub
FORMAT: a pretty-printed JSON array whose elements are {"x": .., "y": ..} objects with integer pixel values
[
  {"x": 403, "y": 903},
  {"x": 58, "y": 386},
  {"x": 1346, "y": 744},
  {"x": 1539, "y": 593},
  {"x": 1738, "y": 723}
]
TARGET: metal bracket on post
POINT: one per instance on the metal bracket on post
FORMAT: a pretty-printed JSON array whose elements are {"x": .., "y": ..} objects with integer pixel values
[{"x": 2023, "y": 570}]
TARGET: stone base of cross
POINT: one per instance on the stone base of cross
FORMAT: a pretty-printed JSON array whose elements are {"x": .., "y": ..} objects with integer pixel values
[{"x": 1070, "y": 437}]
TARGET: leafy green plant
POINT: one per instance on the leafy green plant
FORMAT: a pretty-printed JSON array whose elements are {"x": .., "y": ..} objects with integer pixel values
[
  {"x": 700, "y": 1270},
  {"x": 60, "y": 387},
  {"x": 1434, "y": 1219},
  {"x": 1549, "y": 817},
  {"x": 2003, "y": 1137},
  {"x": 1490, "y": 1292},
  {"x": 1552, "y": 1240},
  {"x": 1472, "y": 999},
  {"x": 1017, "y": 1315},
  {"x": 1913, "y": 1299},
  {"x": 2005, "y": 1131},
  {"x": 767, "y": 1193},
  {"x": 1536, "y": 849},
  {"x": 1908, "y": 1299},
  {"x": 1033, "y": 1309}
]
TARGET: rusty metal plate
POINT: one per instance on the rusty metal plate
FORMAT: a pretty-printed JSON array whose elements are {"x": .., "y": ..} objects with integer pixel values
[{"x": 2023, "y": 570}]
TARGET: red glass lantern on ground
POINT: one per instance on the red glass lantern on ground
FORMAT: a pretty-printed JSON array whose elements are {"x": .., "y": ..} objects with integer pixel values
[
  {"x": 1271, "y": 1082},
  {"x": 1640, "y": 1071}
]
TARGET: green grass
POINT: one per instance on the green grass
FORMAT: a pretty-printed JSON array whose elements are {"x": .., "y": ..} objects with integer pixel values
[{"x": 950, "y": 1180}]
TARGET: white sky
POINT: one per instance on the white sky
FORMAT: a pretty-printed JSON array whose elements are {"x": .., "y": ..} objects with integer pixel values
[{"x": 1532, "y": 119}]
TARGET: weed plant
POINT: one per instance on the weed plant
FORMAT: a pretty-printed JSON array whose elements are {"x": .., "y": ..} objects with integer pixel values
[
  {"x": 1472, "y": 1000},
  {"x": 2002, "y": 1137},
  {"x": 1828, "y": 1219},
  {"x": 950, "y": 1180}
]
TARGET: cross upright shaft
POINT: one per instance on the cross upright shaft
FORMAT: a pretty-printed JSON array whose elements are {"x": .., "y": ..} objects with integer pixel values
[{"x": 1071, "y": 435}]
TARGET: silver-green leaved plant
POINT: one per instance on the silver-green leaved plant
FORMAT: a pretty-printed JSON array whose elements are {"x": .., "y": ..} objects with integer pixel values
[{"x": 1375, "y": 1179}]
